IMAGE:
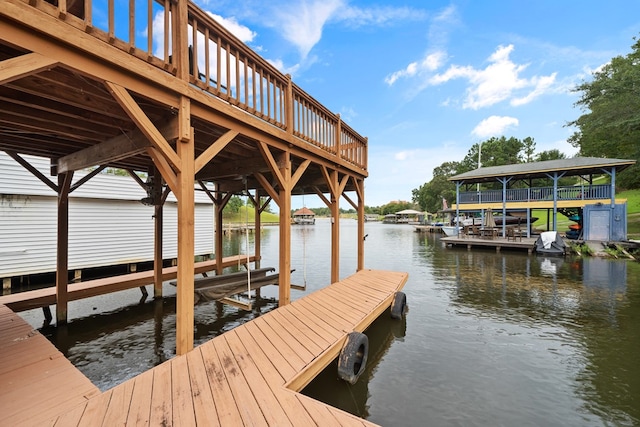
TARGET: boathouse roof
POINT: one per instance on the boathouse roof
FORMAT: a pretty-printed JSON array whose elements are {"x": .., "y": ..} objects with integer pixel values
[
  {"x": 571, "y": 167},
  {"x": 303, "y": 211}
]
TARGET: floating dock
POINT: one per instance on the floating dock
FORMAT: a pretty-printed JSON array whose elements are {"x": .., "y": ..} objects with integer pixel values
[
  {"x": 250, "y": 375},
  {"x": 497, "y": 243}
]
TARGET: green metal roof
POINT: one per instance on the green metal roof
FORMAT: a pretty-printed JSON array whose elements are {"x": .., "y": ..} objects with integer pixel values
[{"x": 571, "y": 167}]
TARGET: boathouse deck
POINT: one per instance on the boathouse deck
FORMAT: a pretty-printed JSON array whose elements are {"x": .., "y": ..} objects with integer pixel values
[{"x": 250, "y": 375}]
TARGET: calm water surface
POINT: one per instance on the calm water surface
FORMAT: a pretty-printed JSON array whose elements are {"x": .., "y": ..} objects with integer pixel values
[{"x": 489, "y": 339}]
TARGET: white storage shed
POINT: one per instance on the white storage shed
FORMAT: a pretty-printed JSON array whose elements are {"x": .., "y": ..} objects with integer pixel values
[{"x": 108, "y": 225}]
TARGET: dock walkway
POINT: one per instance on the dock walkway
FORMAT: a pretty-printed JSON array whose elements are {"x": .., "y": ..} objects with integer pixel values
[
  {"x": 252, "y": 374},
  {"x": 36, "y": 381},
  {"x": 45, "y": 297}
]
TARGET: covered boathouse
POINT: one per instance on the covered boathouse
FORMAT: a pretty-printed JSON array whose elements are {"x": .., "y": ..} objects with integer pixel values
[
  {"x": 191, "y": 107},
  {"x": 517, "y": 189}
]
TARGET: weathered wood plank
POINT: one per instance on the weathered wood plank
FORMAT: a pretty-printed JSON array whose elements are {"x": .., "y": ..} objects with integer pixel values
[
  {"x": 280, "y": 362},
  {"x": 304, "y": 337},
  {"x": 247, "y": 402},
  {"x": 119, "y": 405},
  {"x": 267, "y": 368},
  {"x": 140, "y": 405},
  {"x": 161, "y": 413},
  {"x": 204, "y": 406},
  {"x": 296, "y": 361},
  {"x": 273, "y": 412},
  {"x": 181, "y": 393},
  {"x": 226, "y": 406}
]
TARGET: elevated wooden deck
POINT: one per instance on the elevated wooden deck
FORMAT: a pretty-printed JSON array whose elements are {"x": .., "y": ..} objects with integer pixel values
[
  {"x": 47, "y": 296},
  {"x": 247, "y": 376}
]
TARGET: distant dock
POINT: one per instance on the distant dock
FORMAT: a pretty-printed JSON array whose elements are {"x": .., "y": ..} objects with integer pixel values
[
  {"x": 498, "y": 243},
  {"x": 429, "y": 228}
]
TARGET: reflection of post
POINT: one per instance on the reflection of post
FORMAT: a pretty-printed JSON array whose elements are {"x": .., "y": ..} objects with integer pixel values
[{"x": 158, "y": 315}]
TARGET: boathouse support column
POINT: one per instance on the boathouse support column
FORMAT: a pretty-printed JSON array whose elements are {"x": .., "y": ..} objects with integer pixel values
[
  {"x": 158, "y": 208},
  {"x": 504, "y": 182},
  {"x": 282, "y": 170},
  {"x": 186, "y": 231},
  {"x": 555, "y": 177},
  {"x": 62, "y": 258},
  {"x": 359, "y": 207},
  {"x": 359, "y": 184}
]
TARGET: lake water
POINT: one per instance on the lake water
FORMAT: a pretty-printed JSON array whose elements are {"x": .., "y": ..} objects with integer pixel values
[{"x": 489, "y": 339}]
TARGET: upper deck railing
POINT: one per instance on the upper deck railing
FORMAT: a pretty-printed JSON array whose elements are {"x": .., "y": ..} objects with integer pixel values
[
  {"x": 218, "y": 63},
  {"x": 537, "y": 194}
]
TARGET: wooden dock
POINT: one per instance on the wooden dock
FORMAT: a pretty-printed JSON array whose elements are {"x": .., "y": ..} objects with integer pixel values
[
  {"x": 36, "y": 381},
  {"x": 45, "y": 297},
  {"x": 250, "y": 375},
  {"x": 525, "y": 243}
]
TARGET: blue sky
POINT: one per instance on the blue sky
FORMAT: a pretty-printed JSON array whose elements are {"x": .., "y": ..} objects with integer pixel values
[{"x": 424, "y": 81}]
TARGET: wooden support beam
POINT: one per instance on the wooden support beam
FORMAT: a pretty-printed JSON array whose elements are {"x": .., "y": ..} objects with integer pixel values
[
  {"x": 214, "y": 149},
  {"x": 135, "y": 113},
  {"x": 271, "y": 161},
  {"x": 284, "y": 196},
  {"x": 24, "y": 65},
  {"x": 35, "y": 172},
  {"x": 186, "y": 246},
  {"x": 266, "y": 186},
  {"x": 62, "y": 258},
  {"x": 86, "y": 178},
  {"x": 157, "y": 235},
  {"x": 114, "y": 149},
  {"x": 164, "y": 167}
]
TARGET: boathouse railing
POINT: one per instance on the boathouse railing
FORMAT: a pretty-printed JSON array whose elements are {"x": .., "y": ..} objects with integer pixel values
[
  {"x": 219, "y": 63},
  {"x": 584, "y": 192}
]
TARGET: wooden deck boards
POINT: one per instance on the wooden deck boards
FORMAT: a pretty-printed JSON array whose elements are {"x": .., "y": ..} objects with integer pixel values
[
  {"x": 250, "y": 375},
  {"x": 47, "y": 296},
  {"x": 36, "y": 381}
]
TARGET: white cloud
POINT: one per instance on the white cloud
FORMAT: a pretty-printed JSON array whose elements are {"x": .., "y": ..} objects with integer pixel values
[
  {"x": 494, "y": 126},
  {"x": 499, "y": 81},
  {"x": 430, "y": 62},
  {"x": 302, "y": 25},
  {"x": 240, "y": 31}
]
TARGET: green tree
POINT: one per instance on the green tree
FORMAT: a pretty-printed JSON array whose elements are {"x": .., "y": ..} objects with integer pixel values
[
  {"x": 528, "y": 148},
  {"x": 234, "y": 205},
  {"x": 610, "y": 125},
  {"x": 429, "y": 195}
]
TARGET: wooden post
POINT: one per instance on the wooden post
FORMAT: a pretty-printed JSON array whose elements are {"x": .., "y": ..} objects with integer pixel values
[
  {"x": 62, "y": 261},
  {"x": 284, "y": 267},
  {"x": 360, "y": 191},
  {"x": 181, "y": 39},
  {"x": 256, "y": 235},
  {"x": 186, "y": 237},
  {"x": 219, "y": 206},
  {"x": 335, "y": 233},
  {"x": 157, "y": 239},
  {"x": 289, "y": 125}
]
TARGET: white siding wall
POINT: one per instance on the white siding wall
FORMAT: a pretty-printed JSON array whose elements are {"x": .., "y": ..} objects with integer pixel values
[{"x": 107, "y": 224}]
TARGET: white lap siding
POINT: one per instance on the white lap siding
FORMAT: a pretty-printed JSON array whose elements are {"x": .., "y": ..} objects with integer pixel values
[{"x": 107, "y": 223}]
